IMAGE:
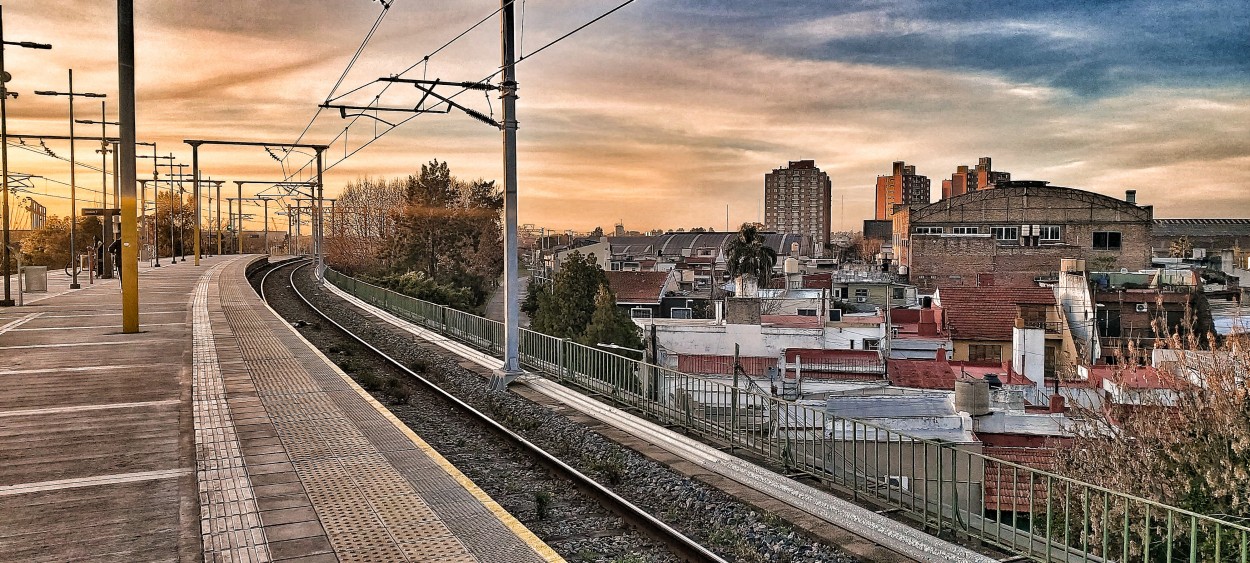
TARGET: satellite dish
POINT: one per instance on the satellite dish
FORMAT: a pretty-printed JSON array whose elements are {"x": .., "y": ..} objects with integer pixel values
[{"x": 6, "y": 77}]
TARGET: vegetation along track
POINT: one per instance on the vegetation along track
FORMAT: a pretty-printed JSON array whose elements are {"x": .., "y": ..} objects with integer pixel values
[{"x": 414, "y": 381}]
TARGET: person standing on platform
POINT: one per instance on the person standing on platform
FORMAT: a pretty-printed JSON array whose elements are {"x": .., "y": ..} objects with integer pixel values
[{"x": 115, "y": 248}]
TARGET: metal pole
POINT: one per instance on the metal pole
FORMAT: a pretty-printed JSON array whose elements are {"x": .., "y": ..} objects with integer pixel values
[
  {"x": 73, "y": 193},
  {"x": 288, "y": 231},
  {"x": 266, "y": 227},
  {"x": 174, "y": 207},
  {"x": 126, "y": 174},
  {"x": 512, "y": 364},
  {"x": 238, "y": 231},
  {"x": 4, "y": 163},
  {"x": 219, "y": 218},
  {"x": 156, "y": 223},
  {"x": 195, "y": 195},
  {"x": 230, "y": 212},
  {"x": 318, "y": 226},
  {"x": 105, "y": 220}
]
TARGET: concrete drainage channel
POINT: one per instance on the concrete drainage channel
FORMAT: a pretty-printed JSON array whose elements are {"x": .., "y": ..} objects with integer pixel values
[{"x": 550, "y": 507}]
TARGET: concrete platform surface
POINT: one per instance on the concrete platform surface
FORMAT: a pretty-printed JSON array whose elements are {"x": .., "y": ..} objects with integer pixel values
[{"x": 217, "y": 434}]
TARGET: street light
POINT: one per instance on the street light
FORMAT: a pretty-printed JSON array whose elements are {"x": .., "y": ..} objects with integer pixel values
[
  {"x": 73, "y": 165},
  {"x": 106, "y": 221},
  {"x": 4, "y": 149}
]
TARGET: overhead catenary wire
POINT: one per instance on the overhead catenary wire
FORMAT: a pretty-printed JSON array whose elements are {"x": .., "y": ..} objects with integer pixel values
[{"x": 425, "y": 60}]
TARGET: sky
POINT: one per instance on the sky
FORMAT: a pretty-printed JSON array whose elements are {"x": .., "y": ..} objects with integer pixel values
[{"x": 668, "y": 114}]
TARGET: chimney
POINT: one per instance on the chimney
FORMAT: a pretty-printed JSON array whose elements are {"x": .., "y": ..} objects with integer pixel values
[
  {"x": 940, "y": 356},
  {"x": 1057, "y": 404},
  {"x": 1130, "y": 196}
]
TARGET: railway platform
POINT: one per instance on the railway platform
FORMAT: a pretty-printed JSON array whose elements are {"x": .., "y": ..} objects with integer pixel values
[{"x": 216, "y": 434}]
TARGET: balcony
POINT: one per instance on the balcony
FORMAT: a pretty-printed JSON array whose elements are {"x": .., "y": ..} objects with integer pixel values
[{"x": 1051, "y": 327}]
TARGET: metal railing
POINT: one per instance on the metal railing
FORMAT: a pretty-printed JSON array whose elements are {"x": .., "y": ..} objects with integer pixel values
[{"x": 948, "y": 487}]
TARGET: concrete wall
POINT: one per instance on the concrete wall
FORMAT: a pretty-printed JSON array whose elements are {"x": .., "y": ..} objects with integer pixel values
[{"x": 757, "y": 341}]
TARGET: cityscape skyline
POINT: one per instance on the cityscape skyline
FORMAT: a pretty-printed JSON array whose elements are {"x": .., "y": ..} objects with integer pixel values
[{"x": 660, "y": 116}]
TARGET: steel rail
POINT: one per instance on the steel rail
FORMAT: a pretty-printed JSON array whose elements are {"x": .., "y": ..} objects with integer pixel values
[{"x": 678, "y": 543}]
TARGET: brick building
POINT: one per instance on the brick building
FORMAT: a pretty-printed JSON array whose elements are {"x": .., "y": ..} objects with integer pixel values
[
  {"x": 968, "y": 179},
  {"x": 797, "y": 199},
  {"x": 1017, "y": 233},
  {"x": 902, "y": 187}
]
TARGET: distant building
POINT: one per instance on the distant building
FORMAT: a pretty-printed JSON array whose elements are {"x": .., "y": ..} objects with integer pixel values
[
  {"x": 1018, "y": 233},
  {"x": 641, "y": 295},
  {"x": 1202, "y": 237},
  {"x": 797, "y": 200},
  {"x": 970, "y": 179},
  {"x": 903, "y": 187}
]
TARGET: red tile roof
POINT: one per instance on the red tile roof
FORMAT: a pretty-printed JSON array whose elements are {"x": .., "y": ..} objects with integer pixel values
[
  {"x": 988, "y": 313},
  {"x": 637, "y": 287},
  {"x": 723, "y": 365},
  {"x": 923, "y": 374}
]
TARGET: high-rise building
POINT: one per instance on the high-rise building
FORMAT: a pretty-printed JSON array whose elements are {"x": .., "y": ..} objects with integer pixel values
[
  {"x": 797, "y": 201},
  {"x": 903, "y": 187},
  {"x": 970, "y": 179}
]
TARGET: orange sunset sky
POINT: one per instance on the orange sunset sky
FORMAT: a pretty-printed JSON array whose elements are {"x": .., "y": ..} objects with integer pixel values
[{"x": 664, "y": 113}]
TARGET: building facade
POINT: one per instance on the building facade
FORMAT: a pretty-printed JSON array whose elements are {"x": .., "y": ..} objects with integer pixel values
[
  {"x": 797, "y": 200},
  {"x": 968, "y": 179},
  {"x": 1017, "y": 233},
  {"x": 902, "y": 187}
]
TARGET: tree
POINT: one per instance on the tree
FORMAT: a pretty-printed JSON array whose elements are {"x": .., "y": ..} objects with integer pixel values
[
  {"x": 610, "y": 325},
  {"x": 1180, "y": 248},
  {"x": 449, "y": 229},
  {"x": 598, "y": 232},
  {"x": 361, "y": 224},
  {"x": 1187, "y": 447},
  {"x": 747, "y": 255},
  {"x": 49, "y": 244},
  {"x": 565, "y": 311}
]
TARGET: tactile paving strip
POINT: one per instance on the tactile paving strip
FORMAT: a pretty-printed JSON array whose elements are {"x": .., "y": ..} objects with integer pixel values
[
  {"x": 343, "y": 451},
  {"x": 230, "y": 521}
]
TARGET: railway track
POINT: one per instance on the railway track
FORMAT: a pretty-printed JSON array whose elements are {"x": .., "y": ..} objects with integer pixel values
[{"x": 560, "y": 476}]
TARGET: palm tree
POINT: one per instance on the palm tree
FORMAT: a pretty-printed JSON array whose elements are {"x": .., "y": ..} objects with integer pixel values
[{"x": 747, "y": 255}]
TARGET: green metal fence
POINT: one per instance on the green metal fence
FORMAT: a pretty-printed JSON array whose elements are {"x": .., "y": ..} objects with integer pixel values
[{"x": 950, "y": 488}]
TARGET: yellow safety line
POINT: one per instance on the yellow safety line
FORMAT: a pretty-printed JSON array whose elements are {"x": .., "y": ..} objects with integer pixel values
[{"x": 520, "y": 530}]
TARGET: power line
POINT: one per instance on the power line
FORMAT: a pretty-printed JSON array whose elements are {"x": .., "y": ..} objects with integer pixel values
[
  {"x": 386, "y": 6},
  {"x": 425, "y": 60}
]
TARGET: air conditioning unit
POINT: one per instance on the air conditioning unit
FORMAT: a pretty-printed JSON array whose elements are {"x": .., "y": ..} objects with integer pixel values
[
  {"x": 861, "y": 299},
  {"x": 1141, "y": 308},
  {"x": 894, "y": 331}
]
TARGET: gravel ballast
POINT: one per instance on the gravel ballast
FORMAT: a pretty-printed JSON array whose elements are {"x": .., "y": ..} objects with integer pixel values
[{"x": 571, "y": 523}]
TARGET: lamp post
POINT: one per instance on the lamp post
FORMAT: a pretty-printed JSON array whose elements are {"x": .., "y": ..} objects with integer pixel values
[
  {"x": 106, "y": 222},
  {"x": 73, "y": 166},
  {"x": 156, "y": 195},
  {"x": 4, "y": 149}
]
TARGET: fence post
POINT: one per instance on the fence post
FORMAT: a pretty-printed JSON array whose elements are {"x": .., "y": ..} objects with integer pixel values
[{"x": 561, "y": 366}]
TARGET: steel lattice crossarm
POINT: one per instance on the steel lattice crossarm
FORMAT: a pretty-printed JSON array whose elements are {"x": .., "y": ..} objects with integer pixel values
[{"x": 427, "y": 87}]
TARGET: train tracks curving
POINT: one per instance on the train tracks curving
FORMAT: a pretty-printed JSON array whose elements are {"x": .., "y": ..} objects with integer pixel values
[{"x": 606, "y": 526}]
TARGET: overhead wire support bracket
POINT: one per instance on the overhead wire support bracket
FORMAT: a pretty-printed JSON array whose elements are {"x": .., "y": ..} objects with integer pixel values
[{"x": 427, "y": 87}]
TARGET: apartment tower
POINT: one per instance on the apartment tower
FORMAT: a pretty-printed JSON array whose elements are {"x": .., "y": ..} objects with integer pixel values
[
  {"x": 797, "y": 201},
  {"x": 903, "y": 187},
  {"x": 970, "y": 179}
]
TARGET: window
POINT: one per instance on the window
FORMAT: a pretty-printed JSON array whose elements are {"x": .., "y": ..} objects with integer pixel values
[
  {"x": 985, "y": 353},
  {"x": 966, "y": 230},
  {"x": 1006, "y": 234},
  {"x": 928, "y": 230},
  {"x": 807, "y": 312},
  {"x": 640, "y": 313},
  {"x": 871, "y": 343},
  {"x": 681, "y": 313},
  {"x": 1106, "y": 240},
  {"x": 898, "y": 294},
  {"x": 1049, "y": 233},
  {"x": 861, "y": 292}
]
